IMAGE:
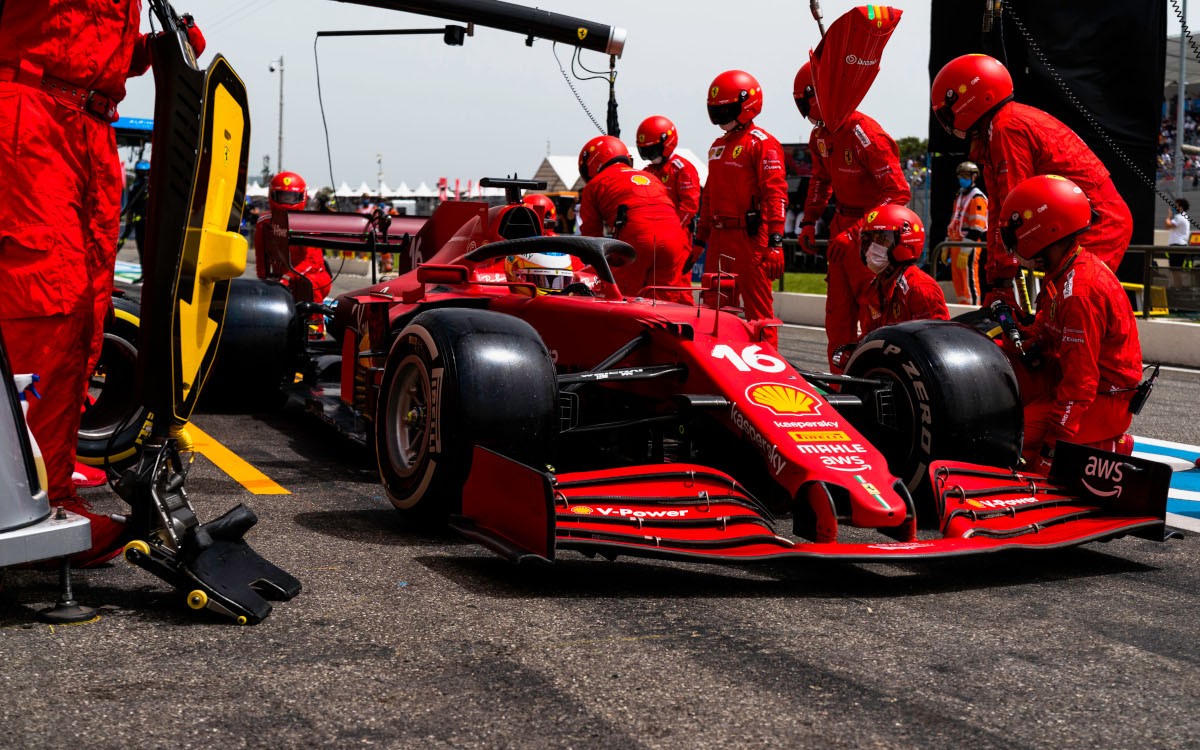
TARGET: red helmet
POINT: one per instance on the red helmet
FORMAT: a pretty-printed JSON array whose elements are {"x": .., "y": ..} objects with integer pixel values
[
  {"x": 1041, "y": 211},
  {"x": 734, "y": 95},
  {"x": 549, "y": 210},
  {"x": 598, "y": 153},
  {"x": 966, "y": 89},
  {"x": 288, "y": 192},
  {"x": 899, "y": 227},
  {"x": 656, "y": 137},
  {"x": 805, "y": 94}
]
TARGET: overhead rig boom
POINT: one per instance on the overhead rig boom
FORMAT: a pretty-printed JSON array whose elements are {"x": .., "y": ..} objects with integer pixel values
[{"x": 531, "y": 22}]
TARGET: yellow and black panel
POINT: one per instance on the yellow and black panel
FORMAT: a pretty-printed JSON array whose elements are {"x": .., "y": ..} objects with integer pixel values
[{"x": 197, "y": 194}]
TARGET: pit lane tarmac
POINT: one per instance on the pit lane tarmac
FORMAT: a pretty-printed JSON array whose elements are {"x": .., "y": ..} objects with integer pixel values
[{"x": 407, "y": 639}]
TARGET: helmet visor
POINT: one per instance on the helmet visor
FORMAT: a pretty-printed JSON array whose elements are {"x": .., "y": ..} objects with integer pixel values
[
  {"x": 651, "y": 151},
  {"x": 288, "y": 197},
  {"x": 804, "y": 105},
  {"x": 719, "y": 114},
  {"x": 550, "y": 279}
]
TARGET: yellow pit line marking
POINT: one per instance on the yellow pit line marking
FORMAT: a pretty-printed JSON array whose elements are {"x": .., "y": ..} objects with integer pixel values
[{"x": 238, "y": 469}]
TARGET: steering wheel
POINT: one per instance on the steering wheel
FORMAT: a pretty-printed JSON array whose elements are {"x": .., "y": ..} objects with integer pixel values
[{"x": 601, "y": 253}]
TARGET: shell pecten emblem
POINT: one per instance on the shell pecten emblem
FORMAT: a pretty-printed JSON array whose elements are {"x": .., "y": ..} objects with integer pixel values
[
  {"x": 640, "y": 179},
  {"x": 783, "y": 399},
  {"x": 581, "y": 510}
]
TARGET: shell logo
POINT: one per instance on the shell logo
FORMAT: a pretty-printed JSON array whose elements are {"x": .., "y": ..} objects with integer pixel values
[
  {"x": 1028, "y": 214},
  {"x": 712, "y": 93},
  {"x": 783, "y": 399},
  {"x": 640, "y": 179},
  {"x": 962, "y": 88},
  {"x": 581, "y": 510}
]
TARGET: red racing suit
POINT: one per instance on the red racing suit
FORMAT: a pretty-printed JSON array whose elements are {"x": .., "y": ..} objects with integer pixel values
[
  {"x": 63, "y": 65},
  {"x": 650, "y": 224},
  {"x": 1087, "y": 331},
  {"x": 911, "y": 294},
  {"x": 683, "y": 185},
  {"x": 859, "y": 165},
  {"x": 745, "y": 174},
  {"x": 309, "y": 261},
  {"x": 1024, "y": 141}
]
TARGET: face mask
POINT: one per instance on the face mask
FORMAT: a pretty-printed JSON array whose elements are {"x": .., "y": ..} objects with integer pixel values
[
  {"x": 1036, "y": 263},
  {"x": 964, "y": 182},
  {"x": 657, "y": 160},
  {"x": 729, "y": 126},
  {"x": 877, "y": 258}
]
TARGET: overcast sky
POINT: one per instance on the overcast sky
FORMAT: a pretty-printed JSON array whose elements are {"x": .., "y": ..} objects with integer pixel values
[{"x": 489, "y": 108}]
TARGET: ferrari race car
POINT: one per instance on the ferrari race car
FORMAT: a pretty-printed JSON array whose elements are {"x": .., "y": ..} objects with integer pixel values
[{"x": 605, "y": 421}]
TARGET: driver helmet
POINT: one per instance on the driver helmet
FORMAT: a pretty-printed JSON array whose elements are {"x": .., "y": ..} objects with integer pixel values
[
  {"x": 898, "y": 229},
  {"x": 288, "y": 192},
  {"x": 549, "y": 272}
]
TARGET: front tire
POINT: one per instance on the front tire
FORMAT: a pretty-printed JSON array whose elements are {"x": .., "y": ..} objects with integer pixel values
[
  {"x": 455, "y": 379},
  {"x": 953, "y": 396}
]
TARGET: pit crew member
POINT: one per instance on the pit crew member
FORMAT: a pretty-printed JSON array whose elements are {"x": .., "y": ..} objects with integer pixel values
[
  {"x": 859, "y": 166},
  {"x": 63, "y": 67},
  {"x": 891, "y": 240},
  {"x": 636, "y": 208},
  {"x": 1084, "y": 324},
  {"x": 967, "y": 223},
  {"x": 744, "y": 203},
  {"x": 656, "y": 142},
  {"x": 972, "y": 97},
  {"x": 289, "y": 192}
]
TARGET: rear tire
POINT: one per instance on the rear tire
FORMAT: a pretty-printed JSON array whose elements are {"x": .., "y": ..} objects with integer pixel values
[
  {"x": 455, "y": 379},
  {"x": 953, "y": 397},
  {"x": 261, "y": 341},
  {"x": 113, "y": 406}
]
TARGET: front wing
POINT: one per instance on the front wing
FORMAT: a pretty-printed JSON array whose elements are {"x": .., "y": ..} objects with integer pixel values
[{"x": 690, "y": 512}]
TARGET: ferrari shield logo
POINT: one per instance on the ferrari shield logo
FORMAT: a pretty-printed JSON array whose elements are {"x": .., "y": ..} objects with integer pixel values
[
  {"x": 712, "y": 93},
  {"x": 581, "y": 33},
  {"x": 737, "y": 151},
  {"x": 822, "y": 149},
  {"x": 848, "y": 156}
]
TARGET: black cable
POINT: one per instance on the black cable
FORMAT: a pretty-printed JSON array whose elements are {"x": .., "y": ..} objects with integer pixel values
[
  {"x": 578, "y": 98},
  {"x": 324, "y": 124},
  {"x": 1089, "y": 118},
  {"x": 577, "y": 59},
  {"x": 1186, "y": 32}
]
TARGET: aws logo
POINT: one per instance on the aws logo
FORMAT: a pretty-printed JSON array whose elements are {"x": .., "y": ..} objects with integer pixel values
[{"x": 1102, "y": 469}]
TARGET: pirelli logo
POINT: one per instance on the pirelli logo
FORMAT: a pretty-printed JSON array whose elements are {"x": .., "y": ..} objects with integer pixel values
[{"x": 812, "y": 436}]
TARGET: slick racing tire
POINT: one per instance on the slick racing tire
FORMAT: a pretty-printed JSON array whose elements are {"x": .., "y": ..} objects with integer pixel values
[
  {"x": 261, "y": 343},
  {"x": 113, "y": 424},
  {"x": 457, "y": 378},
  {"x": 949, "y": 394}
]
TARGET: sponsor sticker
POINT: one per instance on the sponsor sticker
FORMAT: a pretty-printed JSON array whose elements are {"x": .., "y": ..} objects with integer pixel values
[
  {"x": 783, "y": 400},
  {"x": 581, "y": 510},
  {"x": 1002, "y": 503},
  {"x": 830, "y": 436},
  {"x": 640, "y": 179},
  {"x": 872, "y": 491},
  {"x": 737, "y": 151}
]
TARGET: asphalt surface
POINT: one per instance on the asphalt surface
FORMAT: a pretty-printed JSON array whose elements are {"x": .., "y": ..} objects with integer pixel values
[{"x": 405, "y": 639}]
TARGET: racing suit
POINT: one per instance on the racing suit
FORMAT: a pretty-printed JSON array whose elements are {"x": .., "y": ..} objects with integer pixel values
[
  {"x": 911, "y": 294},
  {"x": 1023, "y": 141},
  {"x": 683, "y": 185},
  {"x": 743, "y": 204},
  {"x": 637, "y": 209},
  {"x": 63, "y": 65},
  {"x": 859, "y": 165},
  {"x": 968, "y": 222},
  {"x": 308, "y": 261},
  {"x": 1086, "y": 329}
]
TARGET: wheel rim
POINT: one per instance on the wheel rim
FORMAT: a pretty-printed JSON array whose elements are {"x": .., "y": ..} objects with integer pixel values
[
  {"x": 111, "y": 389},
  {"x": 409, "y": 415}
]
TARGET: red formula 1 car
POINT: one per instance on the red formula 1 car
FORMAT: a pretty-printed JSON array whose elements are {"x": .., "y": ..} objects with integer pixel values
[{"x": 600, "y": 420}]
